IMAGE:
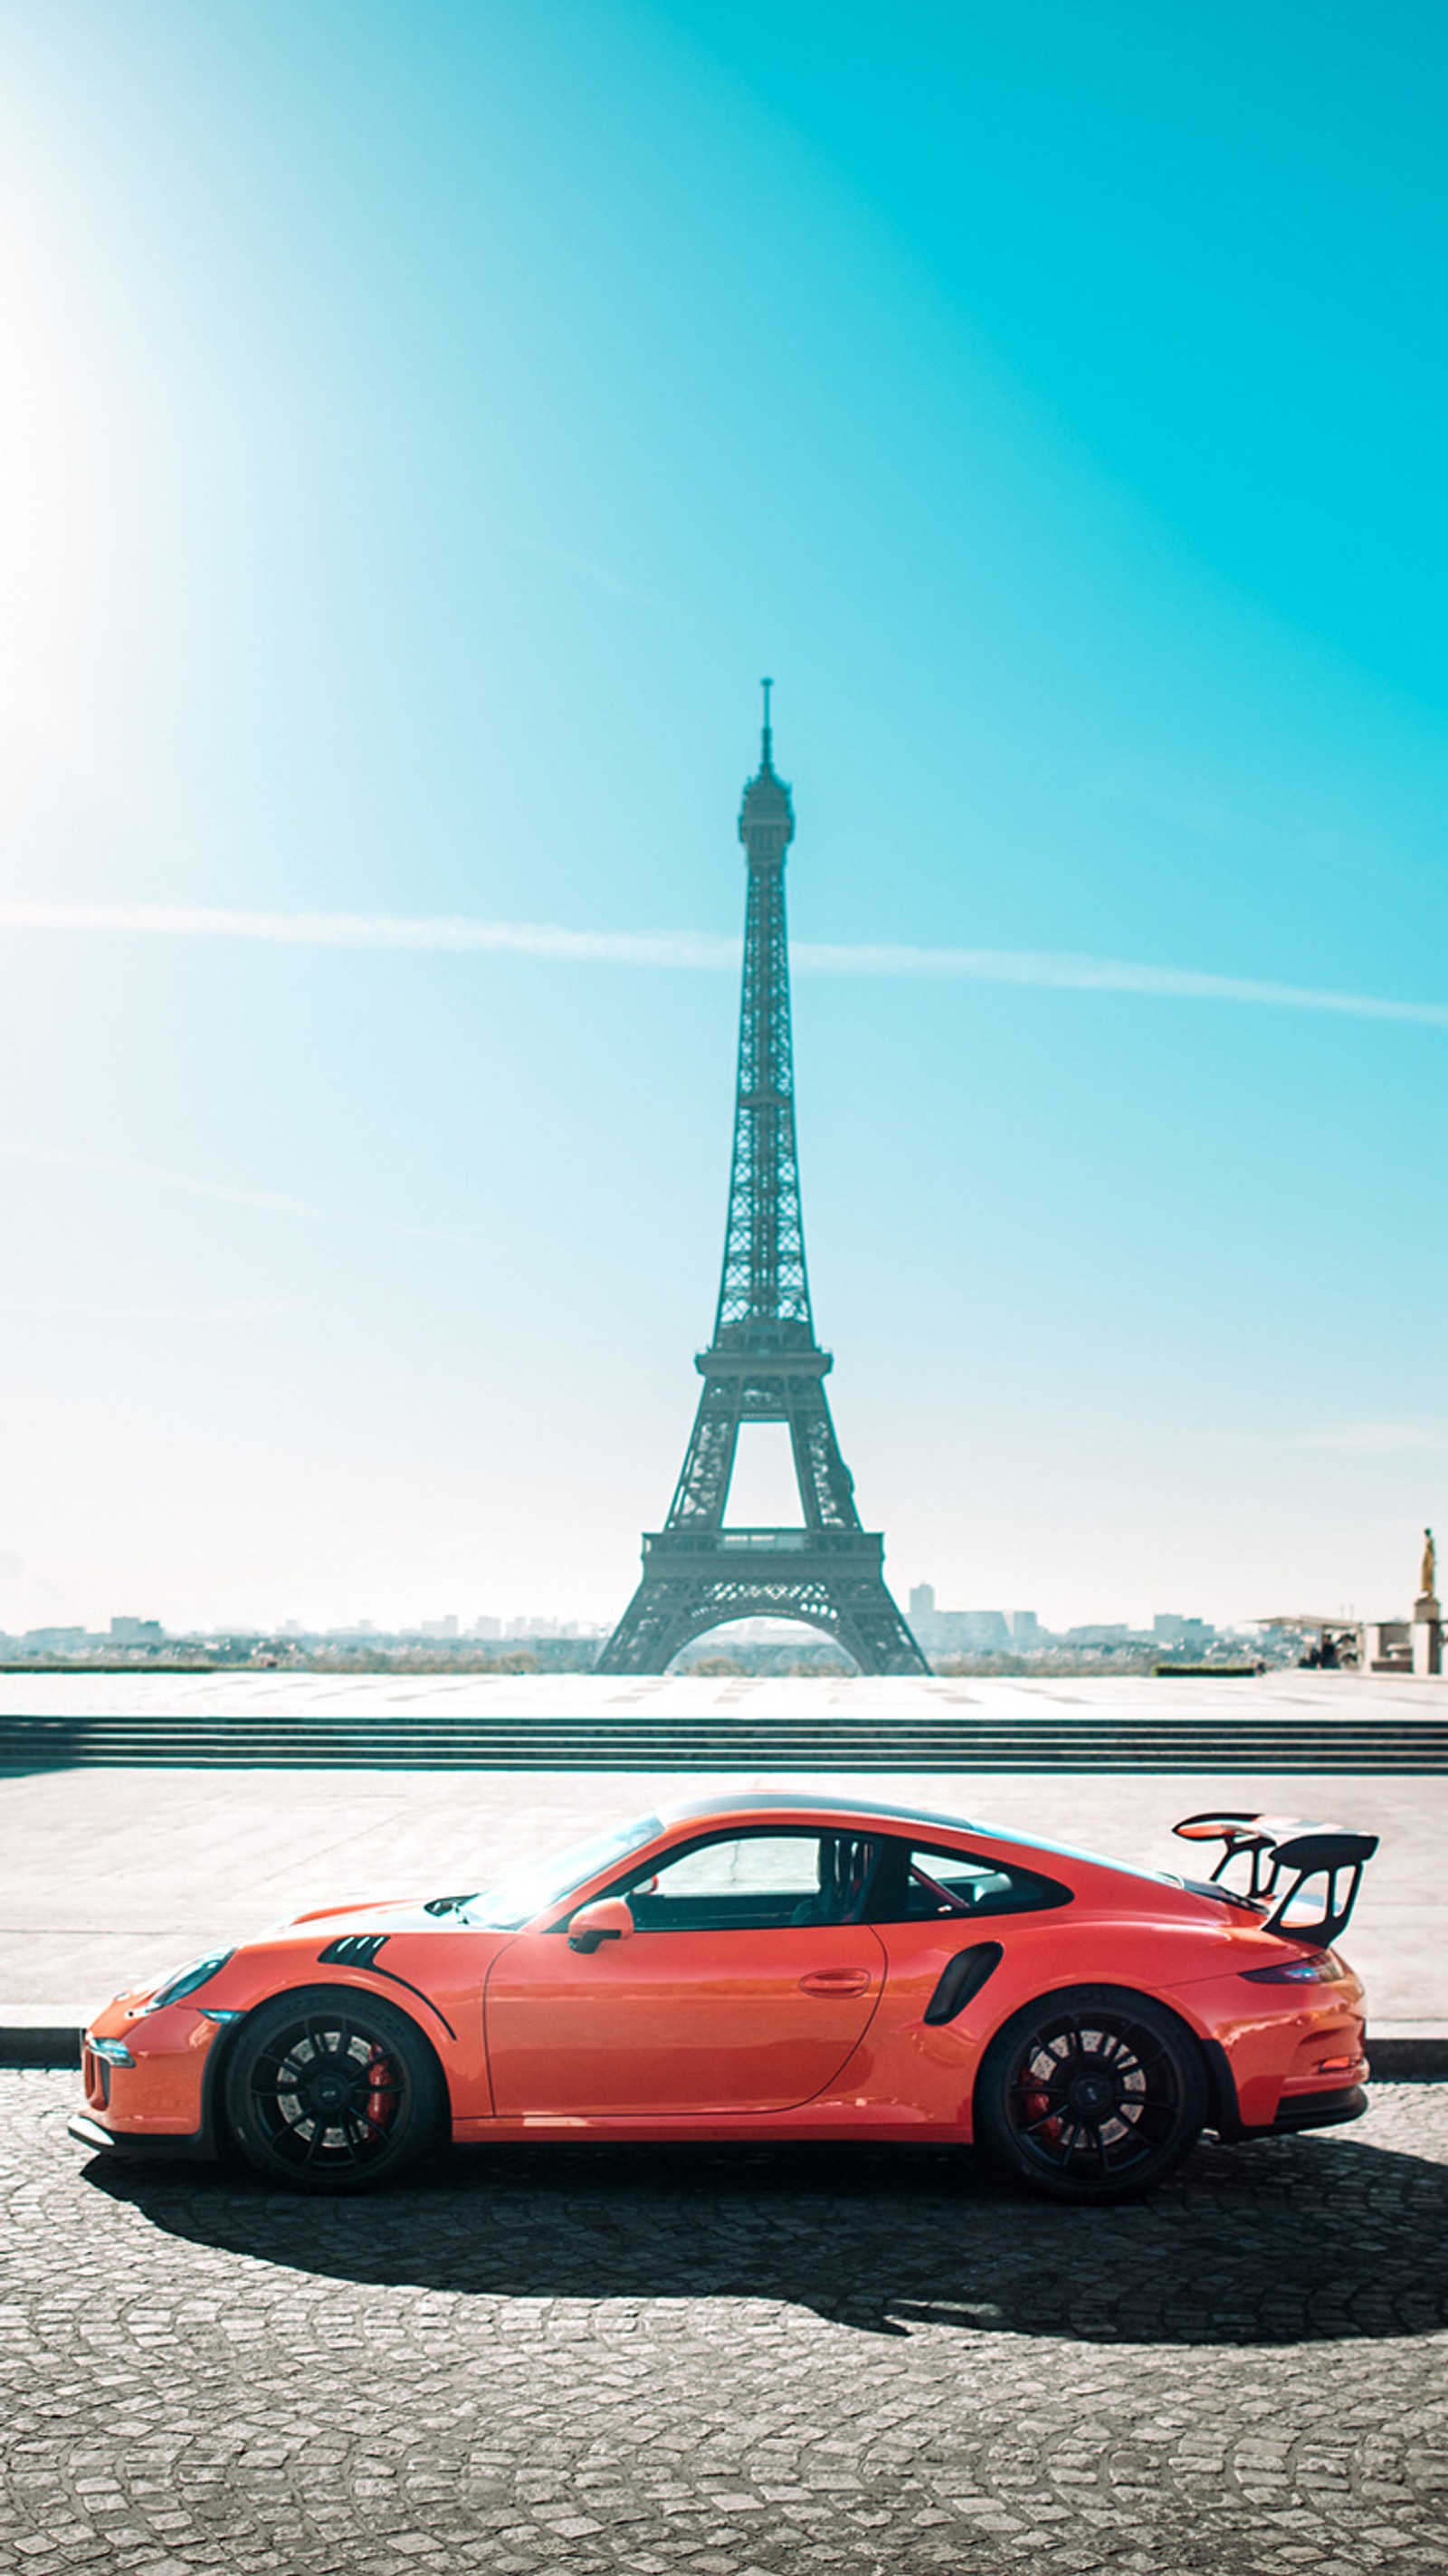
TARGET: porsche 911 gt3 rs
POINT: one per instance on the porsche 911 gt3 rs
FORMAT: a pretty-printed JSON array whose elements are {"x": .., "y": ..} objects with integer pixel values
[{"x": 776, "y": 1965}]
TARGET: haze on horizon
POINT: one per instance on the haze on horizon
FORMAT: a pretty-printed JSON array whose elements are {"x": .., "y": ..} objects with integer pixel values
[{"x": 422, "y": 425}]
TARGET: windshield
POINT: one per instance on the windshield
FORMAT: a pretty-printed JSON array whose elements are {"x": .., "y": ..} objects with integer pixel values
[{"x": 515, "y": 1901}]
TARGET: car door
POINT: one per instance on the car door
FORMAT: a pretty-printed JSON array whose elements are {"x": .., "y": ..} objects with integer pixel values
[{"x": 738, "y": 1989}]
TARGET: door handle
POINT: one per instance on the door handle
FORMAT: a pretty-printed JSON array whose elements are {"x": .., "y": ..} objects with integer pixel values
[{"x": 836, "y": 1981}]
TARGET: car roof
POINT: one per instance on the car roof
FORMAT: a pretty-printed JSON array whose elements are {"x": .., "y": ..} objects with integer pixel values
[
  {"x": 813, "y": 1802},
  {"x": 822, "y": 1802}
]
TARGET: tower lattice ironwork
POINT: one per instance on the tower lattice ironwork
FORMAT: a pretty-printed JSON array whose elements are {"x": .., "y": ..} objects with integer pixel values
[{"x": 764, "y": 1363}]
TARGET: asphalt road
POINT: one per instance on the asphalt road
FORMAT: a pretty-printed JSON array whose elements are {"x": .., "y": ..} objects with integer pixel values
[{"x": 723, "y": 2362}]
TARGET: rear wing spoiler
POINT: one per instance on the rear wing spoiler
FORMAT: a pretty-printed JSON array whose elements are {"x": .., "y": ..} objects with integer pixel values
[{"x": 1282, "y": 1854}]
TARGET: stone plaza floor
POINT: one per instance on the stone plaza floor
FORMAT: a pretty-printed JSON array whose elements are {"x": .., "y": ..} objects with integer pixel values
[
  {"x": 113, "y": 1876},
  {"x": 556, "y": 2361}
]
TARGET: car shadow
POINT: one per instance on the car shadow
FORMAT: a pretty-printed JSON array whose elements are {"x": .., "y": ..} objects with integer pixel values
[{"x": 1284, "y": 2241}]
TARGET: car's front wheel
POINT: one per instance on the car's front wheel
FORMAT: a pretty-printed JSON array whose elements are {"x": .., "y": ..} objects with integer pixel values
[
  {"x": 329, "y": 2089},
  {"x": 1090, "y": 2094}
]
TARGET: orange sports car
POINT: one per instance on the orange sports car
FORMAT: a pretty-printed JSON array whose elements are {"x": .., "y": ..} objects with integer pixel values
[{"x": 771, "y": 1966}]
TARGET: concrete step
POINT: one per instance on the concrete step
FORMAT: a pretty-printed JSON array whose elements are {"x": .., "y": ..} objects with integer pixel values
[
  {"x": 837, "y": 1741},
  {"x": 438, "y": 1729}
]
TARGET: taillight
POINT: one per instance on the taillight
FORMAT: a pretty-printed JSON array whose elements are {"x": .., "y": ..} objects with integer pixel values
[{"x": 1324, "y": 1968}]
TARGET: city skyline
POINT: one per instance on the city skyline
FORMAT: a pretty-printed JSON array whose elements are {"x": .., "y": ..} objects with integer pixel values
[{"x": 414, "y": 460}]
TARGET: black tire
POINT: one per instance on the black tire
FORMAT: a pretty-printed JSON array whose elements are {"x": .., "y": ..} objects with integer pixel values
[
  {"x": 1091, "y": 2094},
  {"x": 330, "y": 2089}
]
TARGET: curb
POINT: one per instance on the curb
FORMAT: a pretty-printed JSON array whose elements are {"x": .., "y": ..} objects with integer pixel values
[
  {"x": 43, "y": 2044},
  {"x": 38, "y": 2037},
  {"x": 1409, "y": 2056},
  {"x": 42, "y": 2034}
]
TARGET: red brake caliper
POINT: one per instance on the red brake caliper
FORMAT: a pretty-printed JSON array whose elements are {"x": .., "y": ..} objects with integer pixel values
[
  {"x": 1037, "y": 2104},
  {"x": 380, "y": 2098}
]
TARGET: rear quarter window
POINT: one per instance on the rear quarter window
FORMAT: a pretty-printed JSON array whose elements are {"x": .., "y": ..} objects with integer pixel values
[{"x": 928, "y": 1882}]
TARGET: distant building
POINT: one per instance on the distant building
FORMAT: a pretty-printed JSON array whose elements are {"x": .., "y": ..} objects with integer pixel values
[
  {"x": 447, "y": 1627},
  {"x": 1114, "y": 1633},
  {"x": 135, "y": 1632},
  {"x": 1168, "y": 1628},
  {"x": 954, "y": 1632},
  {"x": 487, "y": 1628},
  {"x": 1026, "y": 1628},
  {"x": 984, "y": 1628}
]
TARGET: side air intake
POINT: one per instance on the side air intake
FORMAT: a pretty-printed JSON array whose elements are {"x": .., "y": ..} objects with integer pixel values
[
  {"x": 961, "y": 1978},
  {"x": 353, "y": 1950}
]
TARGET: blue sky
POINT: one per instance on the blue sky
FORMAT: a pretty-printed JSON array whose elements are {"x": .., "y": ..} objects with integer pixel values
[{"x": 421, "y": 426}]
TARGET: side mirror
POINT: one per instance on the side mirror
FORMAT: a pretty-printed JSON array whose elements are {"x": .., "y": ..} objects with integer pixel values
[{"x": 607, "y": 1920}]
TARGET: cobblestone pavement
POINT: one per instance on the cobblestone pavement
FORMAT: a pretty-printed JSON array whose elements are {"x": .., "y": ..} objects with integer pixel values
[{"x": 720, "y": 2362}]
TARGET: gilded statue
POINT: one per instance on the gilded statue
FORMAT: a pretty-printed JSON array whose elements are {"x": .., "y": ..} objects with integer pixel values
[{"x": 1428, "y": 1576}]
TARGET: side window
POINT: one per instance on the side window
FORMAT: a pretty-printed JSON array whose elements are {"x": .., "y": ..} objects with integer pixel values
[
  {"x": 756, "y": 1882},
  {"x": 927, "y": 1882}
]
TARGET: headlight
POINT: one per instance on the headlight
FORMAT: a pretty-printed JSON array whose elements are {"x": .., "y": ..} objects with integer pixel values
[
  {"x": 185, "y": 1981},
  {"x": 114, "y": 2051}
]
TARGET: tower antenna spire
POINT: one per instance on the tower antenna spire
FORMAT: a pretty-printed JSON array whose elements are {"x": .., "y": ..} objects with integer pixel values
[{"x": 766, "y": 686}]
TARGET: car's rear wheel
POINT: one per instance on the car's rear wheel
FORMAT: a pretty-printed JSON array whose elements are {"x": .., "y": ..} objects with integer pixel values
[
  {"x": 329, "y": 2089},
  {"x": 1091, "y": 2094}
]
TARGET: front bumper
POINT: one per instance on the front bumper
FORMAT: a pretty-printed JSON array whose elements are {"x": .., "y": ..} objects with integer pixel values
[
  {"x": 156, "y": 2095},
  {"x": 90, "y": 2132}
]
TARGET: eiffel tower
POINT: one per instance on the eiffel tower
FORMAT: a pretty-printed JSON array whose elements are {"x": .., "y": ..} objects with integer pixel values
[{"x": 764, "y": 1363}]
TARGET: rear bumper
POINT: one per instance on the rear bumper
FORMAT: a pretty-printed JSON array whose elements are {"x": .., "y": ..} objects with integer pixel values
[
  {"x": 1314, "y": 2107},
  {"x": 1315, "y": 2111}
]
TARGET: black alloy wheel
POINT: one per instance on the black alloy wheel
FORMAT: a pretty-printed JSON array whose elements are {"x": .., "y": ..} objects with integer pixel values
[
  {"x": 330, "y": 2089},
  {"x": 1091, "y": 2094}
]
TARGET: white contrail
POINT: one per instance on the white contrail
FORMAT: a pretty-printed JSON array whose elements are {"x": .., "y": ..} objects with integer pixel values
[
  {"x": 1048, "y": 970},
  {"x": 455, "y": 931},
  {"x": 1044, "y": 970},
  {"x": 114, "y": 1167},
  {"x": 18, "y": 1149},
  {"x": 1376, "y": 1438},
  {"x": 236, "y": 1310}
]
